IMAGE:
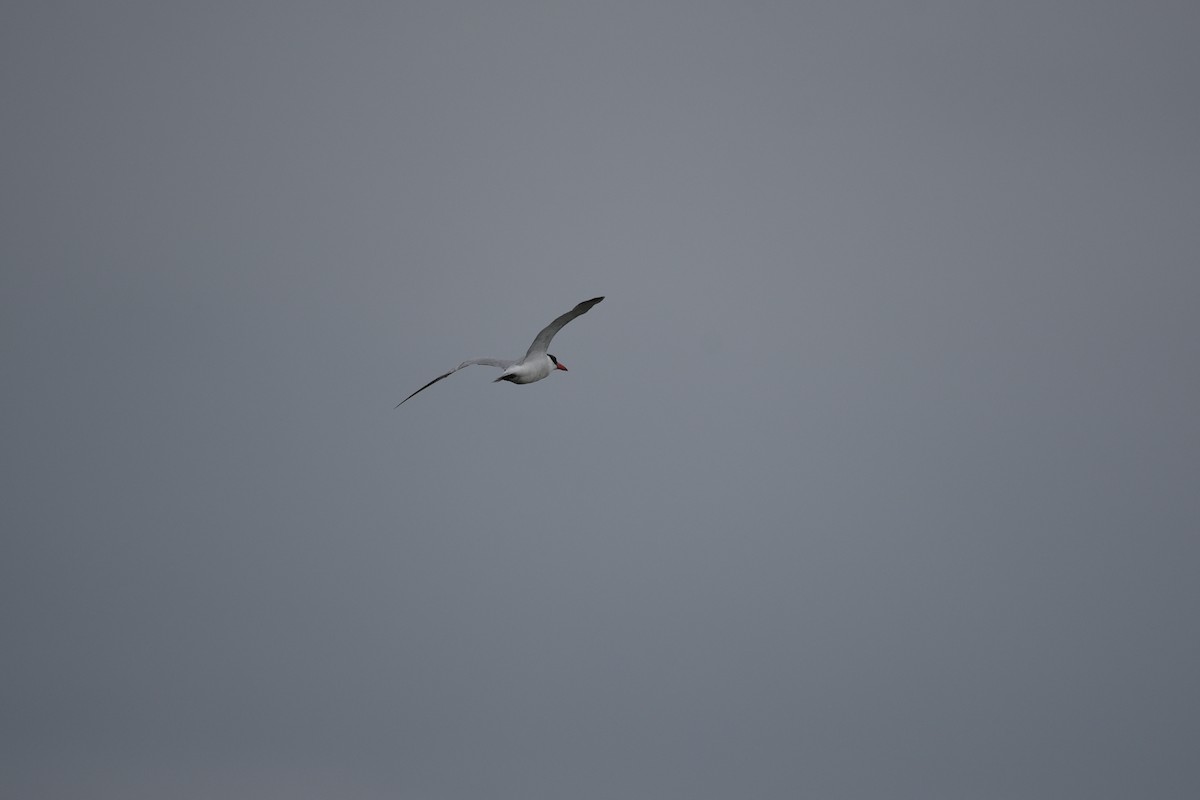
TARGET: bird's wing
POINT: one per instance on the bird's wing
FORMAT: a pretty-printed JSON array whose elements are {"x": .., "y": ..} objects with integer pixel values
[
  {"x": 543, "y": 339},
  {"x": 486, "y": 362}
]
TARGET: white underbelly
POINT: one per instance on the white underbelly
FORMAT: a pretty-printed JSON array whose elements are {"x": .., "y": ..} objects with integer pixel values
[{"x": 528, "y": 373}]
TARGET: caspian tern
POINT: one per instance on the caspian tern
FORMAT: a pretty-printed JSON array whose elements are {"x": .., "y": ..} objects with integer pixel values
[{"x": 537, "y": 363}]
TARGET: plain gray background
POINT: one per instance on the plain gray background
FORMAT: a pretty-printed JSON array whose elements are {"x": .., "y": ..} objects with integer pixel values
[{"x": 875, "y": 476}]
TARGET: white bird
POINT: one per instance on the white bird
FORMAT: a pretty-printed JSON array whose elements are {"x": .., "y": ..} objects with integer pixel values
[{"x": 537, "y": 363}]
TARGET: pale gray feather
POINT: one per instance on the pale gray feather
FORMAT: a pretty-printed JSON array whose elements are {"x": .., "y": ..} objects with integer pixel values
[
  {"x": 483, "y": 362},
  {"x": 543, "y": 339}
]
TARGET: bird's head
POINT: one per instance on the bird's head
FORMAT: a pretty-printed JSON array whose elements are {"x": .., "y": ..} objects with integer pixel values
[{"x": 556, "y": 364}]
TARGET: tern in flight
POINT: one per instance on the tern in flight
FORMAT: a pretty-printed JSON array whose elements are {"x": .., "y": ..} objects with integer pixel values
[{"x": 537, "y": 363}]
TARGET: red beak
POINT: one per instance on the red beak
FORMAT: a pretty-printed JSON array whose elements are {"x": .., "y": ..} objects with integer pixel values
[{"x": 560, "y": 366}]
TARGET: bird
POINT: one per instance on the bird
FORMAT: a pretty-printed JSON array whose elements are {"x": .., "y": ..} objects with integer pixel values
[{"x": 537, "y": 363}]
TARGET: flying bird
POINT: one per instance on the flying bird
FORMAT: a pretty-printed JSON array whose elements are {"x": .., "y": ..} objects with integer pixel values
[{"x": 537, "y": 363}]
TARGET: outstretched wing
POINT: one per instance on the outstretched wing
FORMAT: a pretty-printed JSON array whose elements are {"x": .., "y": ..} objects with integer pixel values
[
  {"x": 543, "y": 339},
  {"x": 485, "y": 362}
]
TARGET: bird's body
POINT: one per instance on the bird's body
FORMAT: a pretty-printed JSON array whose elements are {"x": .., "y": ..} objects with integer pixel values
[
  {"x": 537, "y": 363},
  {"x": 529, "y": 370}
]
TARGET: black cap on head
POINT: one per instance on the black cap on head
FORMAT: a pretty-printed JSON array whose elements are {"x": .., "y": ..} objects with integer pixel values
[{"x": 552, "y": 358}]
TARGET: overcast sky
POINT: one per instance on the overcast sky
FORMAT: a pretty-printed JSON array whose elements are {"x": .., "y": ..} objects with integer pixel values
[{"x": 876, "y": 475}]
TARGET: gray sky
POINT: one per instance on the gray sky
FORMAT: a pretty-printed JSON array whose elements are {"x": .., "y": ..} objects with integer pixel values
[{"x": 875, "y": 476}]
